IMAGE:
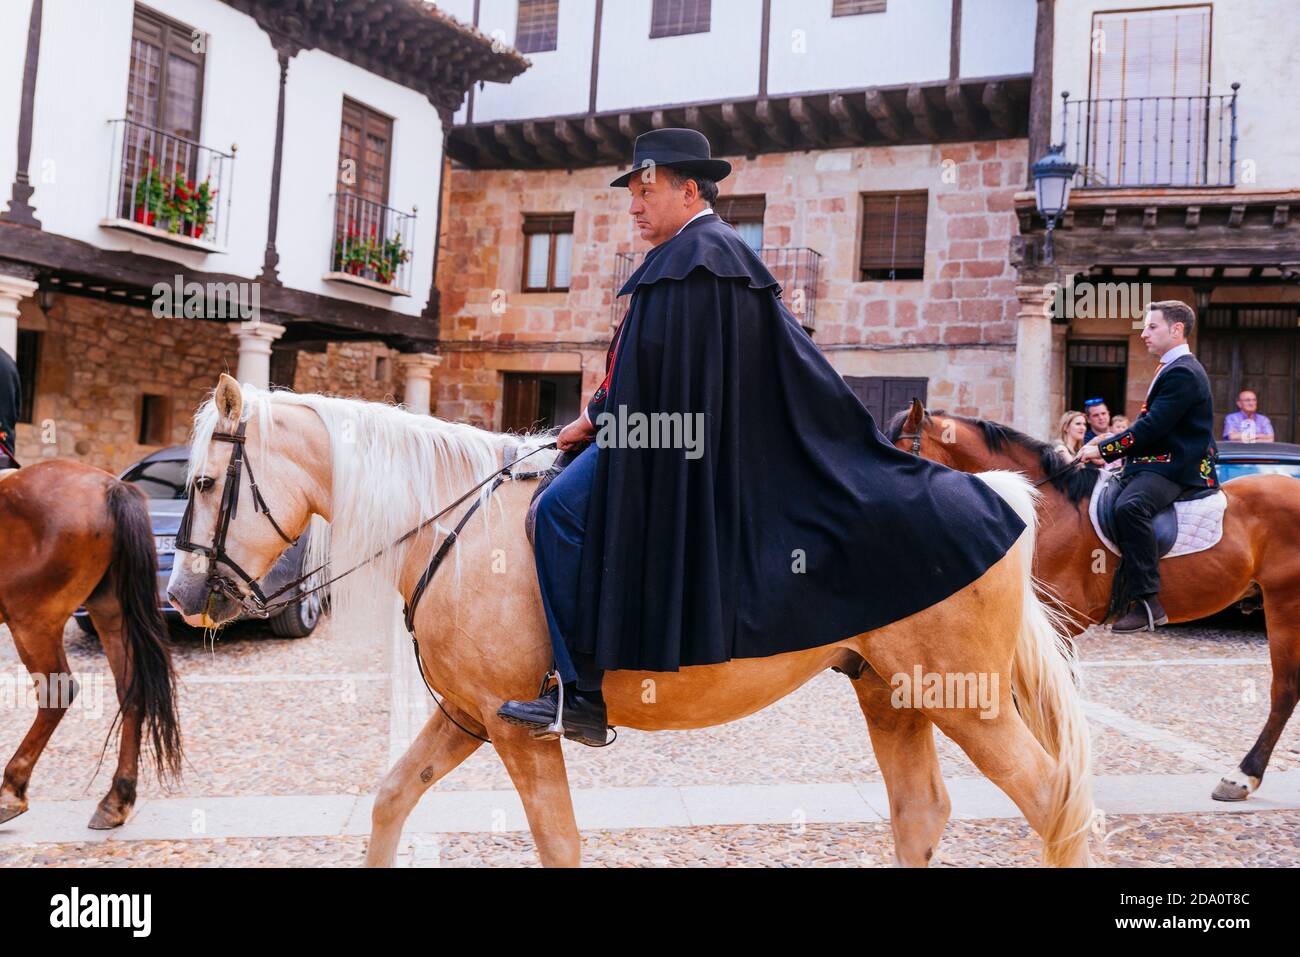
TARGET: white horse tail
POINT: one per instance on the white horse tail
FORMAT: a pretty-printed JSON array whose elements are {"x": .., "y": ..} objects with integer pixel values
[{"x": 1045, "y": 680}]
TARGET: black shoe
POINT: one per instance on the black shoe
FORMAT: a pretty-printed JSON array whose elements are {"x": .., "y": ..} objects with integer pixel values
[
  {"x": 584, "y": 718},
  {"x": 1145, "y": 614}
]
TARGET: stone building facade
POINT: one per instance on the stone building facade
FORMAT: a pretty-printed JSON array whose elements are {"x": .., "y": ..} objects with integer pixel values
[{"x": 955, "y": 327}]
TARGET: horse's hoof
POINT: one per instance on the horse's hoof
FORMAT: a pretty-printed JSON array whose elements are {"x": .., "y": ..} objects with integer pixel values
[
  {"x": 1230, "y": 791},
  {"x": 105, "y": 820},
  {"x": 10, "y": 811}
]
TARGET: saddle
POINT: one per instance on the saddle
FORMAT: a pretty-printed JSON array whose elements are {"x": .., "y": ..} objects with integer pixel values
[
  {"x": 562, "y": 461},
  {"x": 1191, "y": 524}
]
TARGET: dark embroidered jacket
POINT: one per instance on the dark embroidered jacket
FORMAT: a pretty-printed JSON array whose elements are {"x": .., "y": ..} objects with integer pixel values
[{"x": 1174, "y": 432}]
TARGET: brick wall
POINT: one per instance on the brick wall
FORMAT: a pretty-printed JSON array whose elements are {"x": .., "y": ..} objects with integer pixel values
[{"x": 956, "y": 326}]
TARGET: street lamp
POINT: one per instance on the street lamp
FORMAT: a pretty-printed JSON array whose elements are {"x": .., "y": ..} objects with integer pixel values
[{"x": 1053, "y": 175}]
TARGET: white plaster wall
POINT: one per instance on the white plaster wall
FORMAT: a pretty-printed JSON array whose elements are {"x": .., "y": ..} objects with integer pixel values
[
  {"x": 14, "y": 15},
  {"x": 811, "y": 50},
  {"x": 997, "y": 37},
  {"x": 636, "y": 71},
  {"x": 313, "y": 120},
  {"x": 559, "y": 81},
  {"x": 1253, "y": 42}
]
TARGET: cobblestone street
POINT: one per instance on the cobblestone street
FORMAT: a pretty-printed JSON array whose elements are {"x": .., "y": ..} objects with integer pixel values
[{"x": 287, "y": 740}]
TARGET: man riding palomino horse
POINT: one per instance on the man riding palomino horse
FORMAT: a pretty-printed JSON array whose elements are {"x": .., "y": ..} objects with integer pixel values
[
  {"x": 1168, "y": 451},
  {"x": 791, "y": 524},
  {"x": 10, "y": 398}
]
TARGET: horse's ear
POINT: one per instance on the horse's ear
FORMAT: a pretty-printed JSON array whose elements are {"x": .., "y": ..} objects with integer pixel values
[
  {"x": 915, "y": 416},
  {"x": 229, "y": 399}
]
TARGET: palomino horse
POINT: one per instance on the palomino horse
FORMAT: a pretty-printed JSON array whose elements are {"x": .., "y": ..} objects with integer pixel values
[
  {"x": 375, "y": 472},
  {"x": 71, "y": 534},
  {"x": 1258, "y": 551}
]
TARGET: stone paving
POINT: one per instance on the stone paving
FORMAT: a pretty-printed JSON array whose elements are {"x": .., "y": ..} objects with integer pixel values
[{"x": 286, "y": 740}]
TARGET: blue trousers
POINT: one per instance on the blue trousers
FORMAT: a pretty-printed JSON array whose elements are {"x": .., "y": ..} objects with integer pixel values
[{"x": 557, "y": 548}]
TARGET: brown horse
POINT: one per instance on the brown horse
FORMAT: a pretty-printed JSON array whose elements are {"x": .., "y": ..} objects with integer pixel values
[
  {"x": 375, "y": 472},
  {"x": 1257, "y": 553},
  {"x": 71, "y": 535}
]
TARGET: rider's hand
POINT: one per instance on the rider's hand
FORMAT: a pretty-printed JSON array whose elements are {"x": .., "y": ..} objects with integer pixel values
[
  {"x": 1089, "y": 453},
  {"x": 575, "y": 435}
]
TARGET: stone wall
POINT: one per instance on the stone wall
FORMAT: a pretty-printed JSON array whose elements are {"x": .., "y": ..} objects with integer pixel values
[{"x": 955, "y": 327}]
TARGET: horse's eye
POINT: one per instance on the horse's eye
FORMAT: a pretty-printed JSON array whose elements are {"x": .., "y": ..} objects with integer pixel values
[{"x": 204, "y": 484}]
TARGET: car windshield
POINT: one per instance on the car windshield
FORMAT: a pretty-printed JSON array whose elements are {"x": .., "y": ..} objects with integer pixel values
[
  {"x": 1232, "y": 470},
  {"x": 161, "y": 478}
]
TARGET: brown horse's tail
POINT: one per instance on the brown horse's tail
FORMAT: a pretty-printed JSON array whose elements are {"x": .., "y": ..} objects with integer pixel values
[
  {"x": 1045, "y": 681},
  {"x": 152, "y": 686}
]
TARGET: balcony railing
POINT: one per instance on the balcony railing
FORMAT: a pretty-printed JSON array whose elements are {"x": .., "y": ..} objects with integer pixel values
[
  {"x": 169, "y": 188},
  {"x": 371, "y": 245},
  {"x": 1153, "y": 141},
  {"x": 796, "y": 268}
]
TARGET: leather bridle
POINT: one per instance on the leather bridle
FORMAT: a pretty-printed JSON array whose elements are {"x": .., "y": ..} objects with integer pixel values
[{"x": 1069, "y": 467}]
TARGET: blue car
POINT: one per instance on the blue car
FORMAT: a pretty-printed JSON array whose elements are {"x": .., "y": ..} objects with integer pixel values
[
  {"x": 1258, "y": 458},
  {"x": 161, "y": 476}
]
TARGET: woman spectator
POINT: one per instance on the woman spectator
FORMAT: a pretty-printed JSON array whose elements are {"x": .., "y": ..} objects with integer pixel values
[{"x": 1070, "y": 433}]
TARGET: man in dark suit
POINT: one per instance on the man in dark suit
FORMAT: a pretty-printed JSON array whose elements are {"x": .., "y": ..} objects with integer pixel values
[
  {"x": 10, "y": 399},
  {"x": 1169, "y": 449}
]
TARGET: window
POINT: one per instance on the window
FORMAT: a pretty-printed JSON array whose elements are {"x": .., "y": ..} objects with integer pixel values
[
  {"x": 893, "y": 235},
  {"x": 538, "y": 27},
  {"x": 155, "y": 420},
  {"x": 851, "y": 8},
  {"x": 1150, "y": 53},
  {"x": 533, "y": 402},
  {"x": 745, "y": 214},
  {"x": 28, "y": 361},
  {"x": 165, "y": 85},
  {"x": 364, "y": 152},
  {"x": 884, "y": 398},
  {"x": 548, "y": 252},
  {"x": 674, "y": 18},
  {"x": 1097, "y": 370}
]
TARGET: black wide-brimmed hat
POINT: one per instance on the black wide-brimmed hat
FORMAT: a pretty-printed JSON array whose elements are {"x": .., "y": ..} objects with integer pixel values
[{"x": 684, "y": 150}]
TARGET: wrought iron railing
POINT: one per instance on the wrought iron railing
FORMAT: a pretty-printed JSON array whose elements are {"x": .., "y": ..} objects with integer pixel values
[
  {"x": 1154, "y": 141},
  {"x": 371, "y": 242},
  {"x": 796, "y": 268},
  {"x": 170, "y": 184}
]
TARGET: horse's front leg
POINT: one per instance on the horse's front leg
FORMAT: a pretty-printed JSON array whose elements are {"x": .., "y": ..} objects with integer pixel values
[{"x": 537, "y": 770}]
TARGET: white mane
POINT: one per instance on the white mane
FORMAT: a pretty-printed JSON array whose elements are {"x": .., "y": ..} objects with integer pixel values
[{"x": 392, "y": 471}]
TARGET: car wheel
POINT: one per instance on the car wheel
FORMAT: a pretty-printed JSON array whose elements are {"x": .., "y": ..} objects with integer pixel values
[{"x": 301, "y": 618}]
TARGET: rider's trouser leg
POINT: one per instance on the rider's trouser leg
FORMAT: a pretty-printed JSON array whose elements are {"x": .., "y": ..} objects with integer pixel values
[
  {"x": 558, "y": 536},
  {"x": 1145, "y": 494}
]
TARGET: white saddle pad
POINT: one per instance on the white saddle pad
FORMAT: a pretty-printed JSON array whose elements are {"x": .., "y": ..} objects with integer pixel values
[
  {"x": 1200, "y": 521},
  {"x": 5, "y": 473}
]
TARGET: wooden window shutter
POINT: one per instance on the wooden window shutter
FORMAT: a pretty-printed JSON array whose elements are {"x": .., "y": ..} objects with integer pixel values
[
  {"x": 672, "y": 18},
  {"x": 741, "y": 209},
  {"x": 893, "y": 235},
  {"x": 165, "y": 80},
  {"x": 538, "y": 26},
  {"x": 851, "y": 8},
  {"x": 548, "y": 251},
  {"x": 365, "y": 152}
]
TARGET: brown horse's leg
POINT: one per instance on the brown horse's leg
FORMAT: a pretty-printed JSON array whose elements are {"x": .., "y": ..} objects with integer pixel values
[
  {"x": 1282, "y": 614},
  {"x": 437, "y": 750},
  {"x": 903, "y": 739},
  {"x": 40, "y": 646},
  {"x": 537, "y": 770},
  {"x": 115, "y": 808}
]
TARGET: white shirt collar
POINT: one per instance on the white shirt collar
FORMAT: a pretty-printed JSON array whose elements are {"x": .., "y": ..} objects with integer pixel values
[
  {"x": 1177, "y": 352},
  {"x": 703, "y": 212}
]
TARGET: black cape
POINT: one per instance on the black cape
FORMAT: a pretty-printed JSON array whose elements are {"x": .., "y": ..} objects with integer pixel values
[
  {"x": 10, "y": 397},
  {"x": 799, "y": 526}
]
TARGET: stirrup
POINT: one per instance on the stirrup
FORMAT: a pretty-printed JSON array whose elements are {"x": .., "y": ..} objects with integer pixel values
[{"x": 556, "y": 728}]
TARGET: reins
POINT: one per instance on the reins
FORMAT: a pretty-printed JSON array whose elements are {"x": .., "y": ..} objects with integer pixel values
[{"x": 1064, "y": 470}]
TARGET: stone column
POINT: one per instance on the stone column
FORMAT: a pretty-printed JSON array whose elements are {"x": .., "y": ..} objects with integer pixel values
[
  {"x": 13, "y": 289},
  {"x": 417, "y": 369},
  {"x": 255, "y": 340},
  {"x": 1033, "y": 394}
]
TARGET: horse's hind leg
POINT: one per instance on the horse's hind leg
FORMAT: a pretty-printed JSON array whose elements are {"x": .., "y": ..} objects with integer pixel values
[
  {"x": 40, "y": 646},
  {"x": 437, "y": 750},
  {"x": 537, "y": 770},
  {"x": 903, "y": 740},
  {"x": 115, "y": 808},
  {"x": 1282, "y": 614}
]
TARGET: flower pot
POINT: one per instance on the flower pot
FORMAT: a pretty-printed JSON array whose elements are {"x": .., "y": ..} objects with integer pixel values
[{"x": 143, "y": 217}]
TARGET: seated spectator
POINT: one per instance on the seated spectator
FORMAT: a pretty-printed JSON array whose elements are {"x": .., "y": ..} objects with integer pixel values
[
  {"x": 1070, "y": 432},
  {"x": 1247, "y": 424},
  {"x": 1098, "y": 419},
  {"x": 1119, "y": 424}
]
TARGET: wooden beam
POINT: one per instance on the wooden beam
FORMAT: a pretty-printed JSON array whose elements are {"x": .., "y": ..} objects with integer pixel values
[
  {"x": 998, "y": 101},
  {"x": 510, "y": 137},
  {"x": 742, "y": 128},
  {"x": 885, "y": 116},
  {"x": 959, "y": 105},
  {"x": 539, "y": 138},
  {"x": 922, "y": 114},
  {"x": 580, "y": 148},
  {"x": 810, "y": 122},
  {"x": 777, "y": 123},
  {"x": 486, "y": 142},
  {"x": 846, "y": 110},
  {"x": 698, "y": 119},
  {"x": 610, "y": 143}
]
